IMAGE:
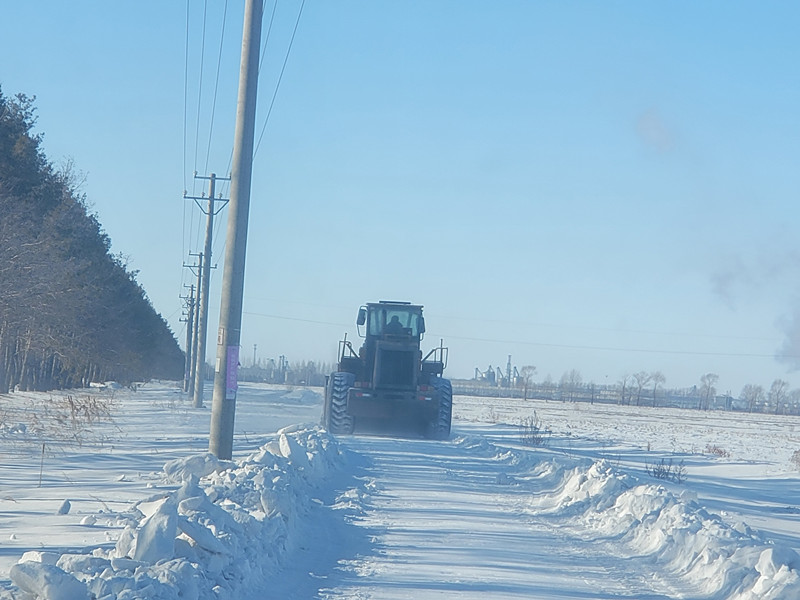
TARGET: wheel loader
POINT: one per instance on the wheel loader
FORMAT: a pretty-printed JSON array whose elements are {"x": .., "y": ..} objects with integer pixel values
[{"x": 388, "y": 386}]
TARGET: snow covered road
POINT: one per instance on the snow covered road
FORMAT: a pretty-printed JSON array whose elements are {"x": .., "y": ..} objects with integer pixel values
[
  {"x": 443, "y": 519},
  {"x": 455, "y": 519}
]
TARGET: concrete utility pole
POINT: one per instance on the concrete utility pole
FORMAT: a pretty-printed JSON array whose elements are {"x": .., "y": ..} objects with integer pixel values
[
  {"x": 203, "y": 292},
  {"x": 189, "y": 330},
  {"x": 192, "y": 374},
  {"x": 223, "y": 408}
]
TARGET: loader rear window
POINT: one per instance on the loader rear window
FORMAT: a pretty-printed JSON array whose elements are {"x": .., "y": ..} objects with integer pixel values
[{"x": 379, "y": 318}]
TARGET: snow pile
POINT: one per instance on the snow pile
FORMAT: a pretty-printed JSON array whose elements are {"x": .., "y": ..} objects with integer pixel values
[
  {"x": 301, "y": 396},
  {"x": 680, "y": 535},
  {"x": 221, "y": 534},
  {"x": 200, "y": 465}
]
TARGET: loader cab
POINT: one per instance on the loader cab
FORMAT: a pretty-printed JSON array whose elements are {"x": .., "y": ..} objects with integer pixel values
[
  {"x": 391, "y": 350},
  {"x": 391, "y": 319}
]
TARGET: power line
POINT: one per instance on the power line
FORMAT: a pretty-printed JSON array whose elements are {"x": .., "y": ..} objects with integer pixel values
[
  {"x": 189, "y": 223},
  {"x": 216, "y": 84},
  {"x": 266, "y": 38},
  {"x": 560, "y": 327},
  {"x": 226, "y": 184},
  {"x": 282, "y": 318},
  {"x": 185, "y": 92},
  {"x": 200, "y": 89},
  {"x": 185, "y": 125},
  {"x": 219, "y": 240},
  {"x": 550, "y": 345},
  {"x": 517, "y": 323},
  {"x": 280, "y": 77}
]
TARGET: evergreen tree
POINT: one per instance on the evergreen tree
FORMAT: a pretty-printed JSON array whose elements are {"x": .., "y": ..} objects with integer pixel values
[{"x": 70, "y": 312}]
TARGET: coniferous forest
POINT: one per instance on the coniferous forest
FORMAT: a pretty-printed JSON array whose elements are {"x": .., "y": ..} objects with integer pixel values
[{"x": 70, "y": 311}]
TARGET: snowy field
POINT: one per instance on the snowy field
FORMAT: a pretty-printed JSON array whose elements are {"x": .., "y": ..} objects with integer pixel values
[{"x": 110, "y": 494}]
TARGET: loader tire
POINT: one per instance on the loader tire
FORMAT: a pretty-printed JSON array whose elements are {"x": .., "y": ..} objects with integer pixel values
[
  {"x": 439, "y": 429},
  {"x": 338, "y": 420}
]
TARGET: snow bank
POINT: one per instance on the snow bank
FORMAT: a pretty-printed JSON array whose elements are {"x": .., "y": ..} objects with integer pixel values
[
  {"x": 221, "y": 534},
  {"x": 674, "y": 531},
  {"x": 723, "y": 561}
]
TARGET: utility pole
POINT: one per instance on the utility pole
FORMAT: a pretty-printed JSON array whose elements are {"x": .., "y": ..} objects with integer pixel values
[
  {"x": 255, "y": 347},
  {"x": 189, "y": 330},
  {"x": 223, "y": 408},
  {"x": 196, "y": 309},
  {"x": 203, "y": 292},
  {"x": 196, "y": 340}
]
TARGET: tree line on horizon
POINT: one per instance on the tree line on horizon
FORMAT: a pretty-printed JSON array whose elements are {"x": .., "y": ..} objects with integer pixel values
[
  {"x": 643, "y": 388},
  {"x": 70, "y": 311}
]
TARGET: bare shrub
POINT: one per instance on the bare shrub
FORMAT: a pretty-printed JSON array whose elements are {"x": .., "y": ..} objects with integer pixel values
[
  {"x": 717, "y": 451},
  {"x": 667, "y": 470},
  {"x": 79, "y": 411},
  {"x": 532, "y": 431},
  {"x": 796, "y": 459},
  {"x": 57, "y": 421}
]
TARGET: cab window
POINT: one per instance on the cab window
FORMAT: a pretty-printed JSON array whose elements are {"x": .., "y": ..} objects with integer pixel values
[{"x": 402, "y": 320}]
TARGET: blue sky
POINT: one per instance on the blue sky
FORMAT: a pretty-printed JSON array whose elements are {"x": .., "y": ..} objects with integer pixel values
[{"x": 608, "y": 187}]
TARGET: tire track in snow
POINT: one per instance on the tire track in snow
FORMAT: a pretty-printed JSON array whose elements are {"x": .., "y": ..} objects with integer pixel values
[{"x": 453, "y": 519}]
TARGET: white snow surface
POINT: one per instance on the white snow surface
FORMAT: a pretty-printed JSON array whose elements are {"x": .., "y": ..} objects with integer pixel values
[{"x": 130, "y": 504}]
